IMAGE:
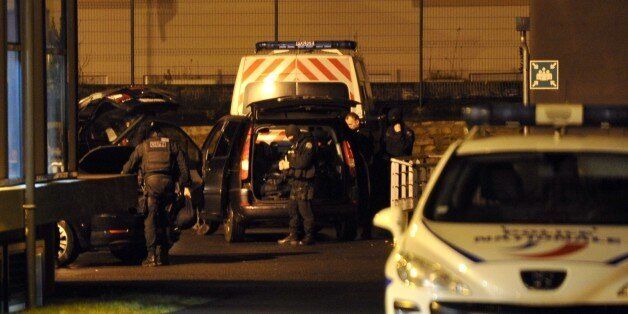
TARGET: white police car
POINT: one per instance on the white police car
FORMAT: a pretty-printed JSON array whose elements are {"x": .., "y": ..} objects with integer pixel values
[{"x": 519, "y": 224}]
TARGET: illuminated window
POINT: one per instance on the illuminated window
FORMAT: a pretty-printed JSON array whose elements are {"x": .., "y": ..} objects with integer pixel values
[
  {"x": 56, "y": 79},
  {"x": 14, "y": 93}
]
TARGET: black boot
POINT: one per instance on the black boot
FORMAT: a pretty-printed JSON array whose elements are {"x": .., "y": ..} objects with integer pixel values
[
  {"x": 150, "y": 260},
  {"x": 161, "y": 256},
  {"x": 308, "y": 240},
  {"x": 290, "y": 239}
]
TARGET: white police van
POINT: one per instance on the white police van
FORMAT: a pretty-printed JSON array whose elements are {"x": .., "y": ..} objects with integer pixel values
[
  {"x": 332, "y": 69},
  {"x": 519, "y": 223}
]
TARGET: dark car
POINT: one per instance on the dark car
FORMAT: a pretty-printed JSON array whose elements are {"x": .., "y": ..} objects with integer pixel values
[
  {"x": 111, "y": 124},
  {"x": 243, "y": 185}
]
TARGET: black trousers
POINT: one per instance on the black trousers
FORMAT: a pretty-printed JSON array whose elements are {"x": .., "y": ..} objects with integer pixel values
[
  {"x": 159, "y": 190},
  {"x": 301, "y": 212}
]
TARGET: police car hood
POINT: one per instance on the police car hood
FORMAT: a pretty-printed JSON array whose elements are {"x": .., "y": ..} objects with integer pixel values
[{"x": 503, "y": 242}]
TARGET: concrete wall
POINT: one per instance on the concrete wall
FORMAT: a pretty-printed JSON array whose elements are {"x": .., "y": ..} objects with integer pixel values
[
  {"x": 202, "y": 41},
  {"x": 589, "y": 38}
]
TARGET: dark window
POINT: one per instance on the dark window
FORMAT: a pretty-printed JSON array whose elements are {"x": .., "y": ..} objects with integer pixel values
[
  {"x": 212, "y": 140},
  {"x": 56, "y": 85},
  {"x": 227, "y": 137},
  {"x": 13, "y": 31},
  {"x": 556, "y": 188}
]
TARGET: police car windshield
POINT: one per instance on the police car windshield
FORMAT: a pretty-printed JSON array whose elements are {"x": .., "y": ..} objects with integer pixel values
[
  {"x": 257, "y": 91},
  {"x": 544, "y": 188}
]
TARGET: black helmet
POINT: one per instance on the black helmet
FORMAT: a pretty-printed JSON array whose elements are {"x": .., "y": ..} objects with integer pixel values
[
  {"x": 394, "y": 115},
  {"x": 293, "y": 130},
  {"x": 153, "y": 130}
]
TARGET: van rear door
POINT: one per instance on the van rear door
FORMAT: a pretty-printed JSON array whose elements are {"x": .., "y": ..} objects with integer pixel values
[{"x": 268, "y": 76}]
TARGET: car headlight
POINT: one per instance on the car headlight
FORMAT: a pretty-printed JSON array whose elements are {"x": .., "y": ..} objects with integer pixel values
[{"x": 418, "y": 272}]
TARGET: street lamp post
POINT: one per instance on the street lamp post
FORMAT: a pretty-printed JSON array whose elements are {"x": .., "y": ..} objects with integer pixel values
[
  {"x": 421, "y": 53},
  {"x": 132, "y": 42},
  {"x": 523, "y": 26}
]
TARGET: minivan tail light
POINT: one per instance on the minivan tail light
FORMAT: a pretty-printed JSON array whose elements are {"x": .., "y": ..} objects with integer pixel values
[
  {"x": 347, "y": 153},
  {"x": 244, "y": 161}
]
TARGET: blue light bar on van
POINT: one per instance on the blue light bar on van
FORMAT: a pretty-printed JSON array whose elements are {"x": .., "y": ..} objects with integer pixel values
[
  {"x": 295, "y": 45},
  {"x": 547, "y": 114}
]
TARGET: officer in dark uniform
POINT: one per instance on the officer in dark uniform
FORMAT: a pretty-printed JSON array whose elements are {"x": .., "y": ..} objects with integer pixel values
[
  {"x": 396, "y": 142},
  {"x": 399, "y": 138},
  {"x": 362, "y": 143},
  {"x": 298, "y": 167},
  {"x": 160, "y": 161}
]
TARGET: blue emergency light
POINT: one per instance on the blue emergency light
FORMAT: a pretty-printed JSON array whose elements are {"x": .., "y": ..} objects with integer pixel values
[
  {"x": 306, "y": 45},
  {"x": 558, "y": 115}
]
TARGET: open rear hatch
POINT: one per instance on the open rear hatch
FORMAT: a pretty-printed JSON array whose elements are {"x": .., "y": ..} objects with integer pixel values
[
  {"x": 301, "y": 108},
  {"x": 105, "y": 159},
  {"x": 316, "y": 115}
]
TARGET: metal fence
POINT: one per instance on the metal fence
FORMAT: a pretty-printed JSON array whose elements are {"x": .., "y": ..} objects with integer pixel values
[
  {"x": 408, "y": 178},
  {"x": 196, "y": 38}
]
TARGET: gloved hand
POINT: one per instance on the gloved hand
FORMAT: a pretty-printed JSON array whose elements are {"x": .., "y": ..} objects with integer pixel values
[{"x": 284, "y": 164}]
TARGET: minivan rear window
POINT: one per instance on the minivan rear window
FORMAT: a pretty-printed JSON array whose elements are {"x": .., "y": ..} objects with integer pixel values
[
  {"x": 257, "y": 91},
  {"x": 540, "y": 188}
]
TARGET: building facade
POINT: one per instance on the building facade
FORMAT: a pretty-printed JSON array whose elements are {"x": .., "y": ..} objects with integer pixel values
[{"x": 38, "y": 101}]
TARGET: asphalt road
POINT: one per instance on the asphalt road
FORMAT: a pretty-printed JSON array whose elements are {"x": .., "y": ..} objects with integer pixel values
[{"x": 255, "y": 276}]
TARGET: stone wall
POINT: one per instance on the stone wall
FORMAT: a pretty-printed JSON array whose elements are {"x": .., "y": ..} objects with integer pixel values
[
  {"x": 204, "y": 104},
  {"x": 433, "y": 137}
]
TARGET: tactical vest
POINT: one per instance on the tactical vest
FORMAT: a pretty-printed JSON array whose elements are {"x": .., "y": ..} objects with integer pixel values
[
  {"x": 158, "y": 156},
  {"x": 295, "y": 150}
]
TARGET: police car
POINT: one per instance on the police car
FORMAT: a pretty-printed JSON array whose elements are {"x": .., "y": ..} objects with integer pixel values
[{"x": 519, "y": 223}]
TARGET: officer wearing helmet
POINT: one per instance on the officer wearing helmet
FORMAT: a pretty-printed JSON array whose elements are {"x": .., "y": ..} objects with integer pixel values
[
  {"x": 160, "y": 162},
  {"x": 298, "y": 167},
  {"x": 399, "y": 138}
]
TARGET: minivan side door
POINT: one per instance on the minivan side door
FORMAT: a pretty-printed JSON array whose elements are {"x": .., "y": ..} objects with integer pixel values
[{"x": 217, "y": 154}]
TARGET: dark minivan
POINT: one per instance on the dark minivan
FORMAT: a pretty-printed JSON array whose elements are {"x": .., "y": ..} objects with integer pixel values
[{"x": 243, "y": 185}]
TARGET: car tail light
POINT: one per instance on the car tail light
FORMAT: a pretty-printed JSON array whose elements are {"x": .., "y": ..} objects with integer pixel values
[
  {"x": 347, "y": 153},
  {"x": 124, "y": 142},
  {"x": 245, "y": 162}
]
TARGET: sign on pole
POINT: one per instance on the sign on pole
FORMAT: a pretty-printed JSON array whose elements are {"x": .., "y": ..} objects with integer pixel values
[{"x": 543, "y": 74}]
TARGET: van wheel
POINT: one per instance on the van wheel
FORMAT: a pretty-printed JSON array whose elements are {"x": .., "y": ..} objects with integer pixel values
[
  {"x": 234, "y": 229},
  {"x": 347, "y": 229},
  {"x": 67, "y": 246}
]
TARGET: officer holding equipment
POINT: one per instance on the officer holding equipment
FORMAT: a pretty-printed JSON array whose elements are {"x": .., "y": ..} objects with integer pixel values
[
  {"x": 160, "y": 161},
  {"x": 298, "y": 167}
]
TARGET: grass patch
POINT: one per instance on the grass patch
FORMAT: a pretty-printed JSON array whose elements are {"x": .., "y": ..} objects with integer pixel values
[{"x": 131, "y": 303}]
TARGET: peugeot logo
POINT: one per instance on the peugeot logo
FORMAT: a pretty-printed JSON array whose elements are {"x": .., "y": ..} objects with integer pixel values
[{"x": 543, "y": 279}]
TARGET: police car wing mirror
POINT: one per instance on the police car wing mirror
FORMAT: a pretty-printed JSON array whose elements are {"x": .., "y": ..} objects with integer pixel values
[{"x": 390, "y": 219}]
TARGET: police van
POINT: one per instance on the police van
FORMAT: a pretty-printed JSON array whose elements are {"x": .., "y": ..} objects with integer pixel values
[
  {"x": 314, "y": 68},
  {"x": 520, "y": 223},
  {"x": 312, "y": 85}
]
